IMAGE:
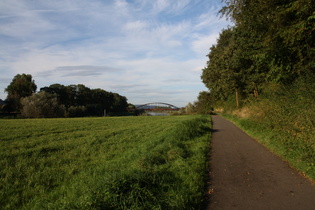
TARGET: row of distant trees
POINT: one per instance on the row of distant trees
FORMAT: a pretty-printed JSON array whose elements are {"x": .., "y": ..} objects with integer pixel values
[{"x": 59, "y": 100}]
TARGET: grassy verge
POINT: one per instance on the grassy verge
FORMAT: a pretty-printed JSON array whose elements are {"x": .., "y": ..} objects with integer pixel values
[
  {"x": 104, "y": 163},
  {"x": 298, "y": 152}
]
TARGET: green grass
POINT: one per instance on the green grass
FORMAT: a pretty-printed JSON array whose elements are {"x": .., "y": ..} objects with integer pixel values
[
  {"x": 104, "y": 163},
  {"x": 297, "y": 150},
  {"x": 283, "y": 119}
]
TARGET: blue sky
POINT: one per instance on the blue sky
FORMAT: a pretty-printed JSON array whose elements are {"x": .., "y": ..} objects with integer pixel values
[{"x": 146, "y": 50}]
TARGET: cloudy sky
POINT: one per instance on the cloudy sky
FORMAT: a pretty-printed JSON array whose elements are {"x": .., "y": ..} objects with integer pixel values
[{"x": 146, "y": 50}]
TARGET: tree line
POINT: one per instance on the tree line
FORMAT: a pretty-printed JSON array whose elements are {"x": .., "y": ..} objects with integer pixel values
[
  {"x": 59, "y": 100},
  {"x": 272, "y": 42}
]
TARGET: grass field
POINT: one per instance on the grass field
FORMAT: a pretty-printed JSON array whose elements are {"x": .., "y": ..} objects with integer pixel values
[{"x": 104, "y": 163}]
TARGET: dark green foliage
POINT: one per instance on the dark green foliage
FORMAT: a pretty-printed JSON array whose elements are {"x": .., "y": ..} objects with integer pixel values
[
  {"x": 219, "y": 75},
  {"x": 82, "y": 101},
  {"x": 205, "y": 103},
  {"x": 22, "y": 85},
  {"x": 120, "y": 103},
  {"x": 78, "y": 100},
  {"x": 76, "y": 111},
  {"x": 63, "y": 92},
  {"x": 271, "y": 42}
]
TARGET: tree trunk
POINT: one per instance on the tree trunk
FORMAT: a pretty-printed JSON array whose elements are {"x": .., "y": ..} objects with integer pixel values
[
  {"x": 237, "y": 98},
  {"x": 256, "y": 93}
]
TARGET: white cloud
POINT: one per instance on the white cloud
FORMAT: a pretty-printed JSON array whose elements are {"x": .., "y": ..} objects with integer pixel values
[
  {"x": 160, "y": 5},
  {"x": 121, "y": 4},
  {"x": 146, "y": 50},
  {"x": 80, "y": 71},
  {"x": 202, "y": 44},
  {"x": 181, "y": 4},
  {"x": 136, "y": 25}
]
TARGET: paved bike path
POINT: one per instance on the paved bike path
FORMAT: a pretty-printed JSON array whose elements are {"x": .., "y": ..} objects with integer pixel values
[{"x": 245, "y": 175}]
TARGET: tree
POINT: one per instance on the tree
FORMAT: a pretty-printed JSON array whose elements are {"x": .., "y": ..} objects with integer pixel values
[
  {"x": 62, "y": 92},
  {"x": 101, "y": 100},
  {"x": 205, "y": 103},
  {"x": 22, "y": 85},
  {"x": 273, "y": 41},
  {"x": 41, "y": 105},
  {"x": 120, "y": 103},
  {"x": 285, "y": 30},
  {"x": 190, "y": 108},
  {"x": 223, "y": 74}
]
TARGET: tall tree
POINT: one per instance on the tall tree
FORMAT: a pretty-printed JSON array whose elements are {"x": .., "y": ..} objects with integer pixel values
[
  {"x": 61, "y": 91},
  {"x": 120, "y": 103},
  {"x": 204, "y": 104},
  {"x": 273, "y": 41},
  {"x": 223, "y": 74},
  {"x": 285, "y": 29},
  {"x": 22, "y": 85},
  {"x": 102, "y": 101}
]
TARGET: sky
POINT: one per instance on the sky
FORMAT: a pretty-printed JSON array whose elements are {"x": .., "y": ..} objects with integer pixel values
[{"x": 146, "y": 50}]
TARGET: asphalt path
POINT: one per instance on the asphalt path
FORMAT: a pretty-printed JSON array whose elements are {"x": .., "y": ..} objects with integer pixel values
[{"x": 245, "y": 175}]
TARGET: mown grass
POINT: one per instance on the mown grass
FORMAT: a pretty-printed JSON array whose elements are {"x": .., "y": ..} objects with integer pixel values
[{"x": 104, "y": 163}]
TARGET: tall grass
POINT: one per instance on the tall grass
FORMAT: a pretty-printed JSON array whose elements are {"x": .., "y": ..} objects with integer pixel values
[
  {"x": 104, "y": 163},
  {"x": 284, "y": 120}
]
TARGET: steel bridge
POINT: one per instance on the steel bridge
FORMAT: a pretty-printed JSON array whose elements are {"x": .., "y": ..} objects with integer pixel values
[{"x": 157, "y": 106}]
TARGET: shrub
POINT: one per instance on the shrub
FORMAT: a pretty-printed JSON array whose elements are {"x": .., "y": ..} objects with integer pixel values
[
  {"x": 41, "y": 105},
  {"x": 76, "y": 111}
]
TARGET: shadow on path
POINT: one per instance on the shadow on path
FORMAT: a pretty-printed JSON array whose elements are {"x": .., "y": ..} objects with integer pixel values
[{"x": 214, "y": 130}]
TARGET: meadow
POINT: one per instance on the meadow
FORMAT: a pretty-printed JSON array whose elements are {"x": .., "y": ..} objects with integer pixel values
[{"x": 104, "y": 163}]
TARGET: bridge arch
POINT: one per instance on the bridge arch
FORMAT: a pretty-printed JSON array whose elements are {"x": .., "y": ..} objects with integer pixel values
[{"x": 157, "y": 106}]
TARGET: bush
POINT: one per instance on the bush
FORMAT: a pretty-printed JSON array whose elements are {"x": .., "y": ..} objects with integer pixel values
[
  {"x": 76, "y": 111},
  {"x": 41, "y": 105}
]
